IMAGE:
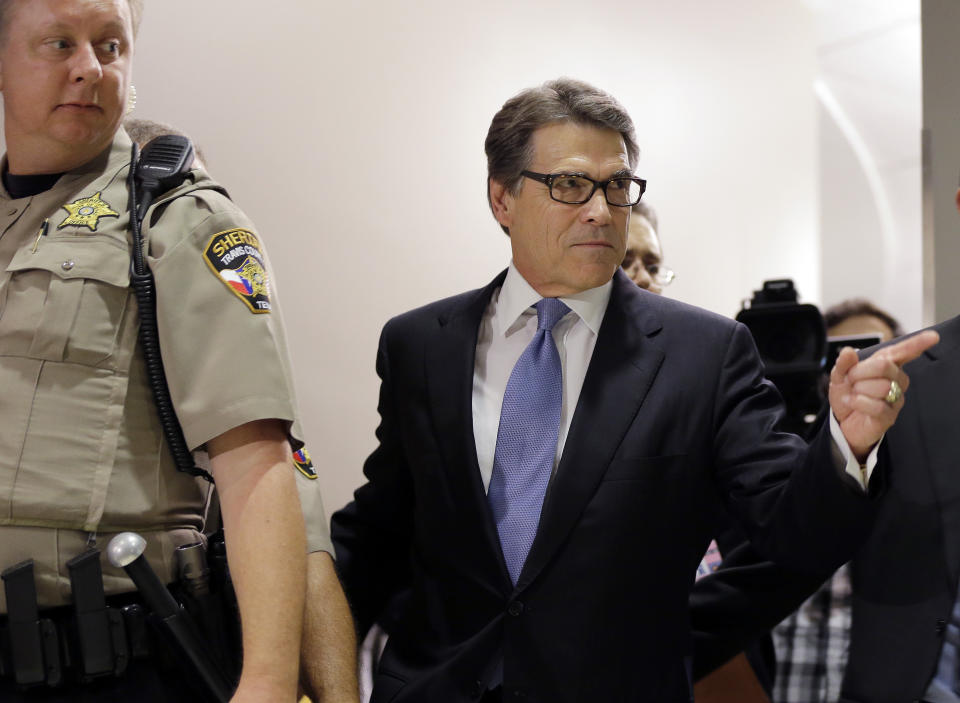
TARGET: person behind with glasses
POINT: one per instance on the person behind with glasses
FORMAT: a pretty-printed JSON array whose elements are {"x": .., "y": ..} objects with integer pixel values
[
  {"x": 550, "y": 446},
  {"x": 749, "y": 677}
]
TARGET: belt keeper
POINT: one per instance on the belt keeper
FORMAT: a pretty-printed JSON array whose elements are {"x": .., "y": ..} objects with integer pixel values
[
  {"x": 33, "y": 642},
  {"x": 98, "y": 631}
]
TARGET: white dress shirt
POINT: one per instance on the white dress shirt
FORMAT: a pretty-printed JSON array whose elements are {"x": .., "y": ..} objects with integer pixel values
[{"x": 508, "y": 326}]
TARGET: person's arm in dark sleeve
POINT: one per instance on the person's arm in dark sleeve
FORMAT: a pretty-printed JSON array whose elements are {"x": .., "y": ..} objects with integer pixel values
[
  {"x": 740, "y": 602},
  {"x": 795, "y": 502}
]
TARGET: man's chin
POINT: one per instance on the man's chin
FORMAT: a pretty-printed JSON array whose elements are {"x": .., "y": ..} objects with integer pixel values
[
  {"x": 594, "y": 275},
  {"x": 78, "y": 134},
  {"x": 83, "y": 139}
]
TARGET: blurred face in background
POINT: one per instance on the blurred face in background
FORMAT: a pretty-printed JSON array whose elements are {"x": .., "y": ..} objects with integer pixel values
[{"x": 644, "y": 257}]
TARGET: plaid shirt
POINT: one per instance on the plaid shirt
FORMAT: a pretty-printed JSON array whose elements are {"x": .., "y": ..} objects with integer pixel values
[{"x": 812, "y": 645}]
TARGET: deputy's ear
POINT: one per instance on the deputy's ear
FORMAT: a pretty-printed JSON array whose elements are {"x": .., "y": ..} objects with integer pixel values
[{"x": 501, "y": 202}]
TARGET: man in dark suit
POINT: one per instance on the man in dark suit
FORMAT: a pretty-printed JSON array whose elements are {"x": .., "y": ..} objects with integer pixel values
[
  {"x": 544, "y": 473},
  {"x": 905, "y": 622}
]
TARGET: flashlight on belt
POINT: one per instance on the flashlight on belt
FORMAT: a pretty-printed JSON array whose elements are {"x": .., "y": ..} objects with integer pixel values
[{"x": 125, "y": 551}]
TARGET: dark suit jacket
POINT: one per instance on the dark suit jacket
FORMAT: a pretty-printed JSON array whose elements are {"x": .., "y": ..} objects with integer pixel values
[
  {"x": 673, "y": 413},
  {"x": 904, "y": 577}
]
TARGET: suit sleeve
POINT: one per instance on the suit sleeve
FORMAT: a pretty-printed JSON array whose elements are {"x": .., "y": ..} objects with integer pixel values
[
  {"x": 795, "y": 502},
  {"x": 740, "y": 602},
  {"x": 372, "y": 535}
]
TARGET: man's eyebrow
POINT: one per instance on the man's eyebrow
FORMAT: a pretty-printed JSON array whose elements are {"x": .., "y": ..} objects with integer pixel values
[
  {"x": 114, "y": 27},
  {"x": 622, "y": 173},
  {"x": 111, "y": 27}
]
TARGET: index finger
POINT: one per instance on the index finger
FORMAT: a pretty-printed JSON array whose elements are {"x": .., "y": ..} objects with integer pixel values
[
  {"x": 846, "y": 360},
  {"x": 910, "y": 348}
]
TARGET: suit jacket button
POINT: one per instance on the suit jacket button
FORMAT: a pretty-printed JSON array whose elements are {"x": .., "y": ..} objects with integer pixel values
[
  {"x": 477, "y": 689},
  {"x": 941, "y": 626},
  {"x": 515, "y": 608}
]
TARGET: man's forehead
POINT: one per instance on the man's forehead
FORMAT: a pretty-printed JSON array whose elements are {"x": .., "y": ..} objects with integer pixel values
[
  {"x": 66, "y": 14},
  {"x": 641, "y": 237},
  {"x": 572, "y": 145}
]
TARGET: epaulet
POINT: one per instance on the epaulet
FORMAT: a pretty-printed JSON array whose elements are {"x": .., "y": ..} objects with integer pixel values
[{"x": 196, "y": 180}]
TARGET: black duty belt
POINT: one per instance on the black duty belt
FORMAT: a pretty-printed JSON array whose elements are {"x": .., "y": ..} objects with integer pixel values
[{"x": 95, "y": 637}]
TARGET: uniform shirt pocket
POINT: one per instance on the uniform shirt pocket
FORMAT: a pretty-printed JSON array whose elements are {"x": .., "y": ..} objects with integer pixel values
[{"x": 66, "y": 300}]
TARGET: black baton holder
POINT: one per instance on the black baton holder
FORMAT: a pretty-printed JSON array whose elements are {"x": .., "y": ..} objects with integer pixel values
[
  {"x": 98, "y": 631},
  {"x": 33, "y": 643}
]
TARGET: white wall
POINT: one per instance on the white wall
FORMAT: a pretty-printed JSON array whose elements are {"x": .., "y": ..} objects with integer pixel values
[
  {"x": 869, "y": 91},
  {"x": 353, "y": 135}
]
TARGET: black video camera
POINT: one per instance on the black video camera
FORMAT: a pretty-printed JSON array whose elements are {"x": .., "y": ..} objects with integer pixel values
[{"x": 792, "y": 341}]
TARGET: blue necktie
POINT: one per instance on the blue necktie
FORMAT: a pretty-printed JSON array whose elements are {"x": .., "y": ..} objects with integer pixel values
[{"x": 527, "y": 439}]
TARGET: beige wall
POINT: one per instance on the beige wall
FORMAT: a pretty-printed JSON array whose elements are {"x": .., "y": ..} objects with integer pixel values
[{"x": 353, "y": 135}]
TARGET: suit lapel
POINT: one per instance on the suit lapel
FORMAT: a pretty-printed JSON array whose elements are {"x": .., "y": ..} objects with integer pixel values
[
  {"x": 450, "y": 359},
  {"x": 620, "y": 374}
]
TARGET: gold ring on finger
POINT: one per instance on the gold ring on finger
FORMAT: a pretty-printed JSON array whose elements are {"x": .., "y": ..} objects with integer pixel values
[{"x": 894, "y": 394}]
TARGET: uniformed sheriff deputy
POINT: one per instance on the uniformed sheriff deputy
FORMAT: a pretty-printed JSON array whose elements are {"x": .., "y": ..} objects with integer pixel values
[{"x": 81, "y": 453}]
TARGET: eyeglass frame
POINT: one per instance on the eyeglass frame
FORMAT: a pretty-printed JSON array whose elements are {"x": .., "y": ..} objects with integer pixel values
[
  {"x": 663, "y": 277},
  {"x": 547, "y": 180}
]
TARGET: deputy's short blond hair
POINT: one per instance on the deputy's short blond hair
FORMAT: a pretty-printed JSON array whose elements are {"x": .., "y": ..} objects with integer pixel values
[{"x": 136, "y": 13}]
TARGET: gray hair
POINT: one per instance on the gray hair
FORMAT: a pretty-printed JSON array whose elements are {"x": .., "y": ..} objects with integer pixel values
[
  {"x": 648, "y": 213},
  {"x": 143, "y": 131},
  {"x": 508, "y": 145},
  {"x": 136, "y": 14}
]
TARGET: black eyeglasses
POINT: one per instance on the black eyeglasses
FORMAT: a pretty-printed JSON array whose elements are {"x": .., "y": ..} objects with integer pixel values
[
  {"x": 576, "y": 189},
  {"x": 662, "y": 275}
]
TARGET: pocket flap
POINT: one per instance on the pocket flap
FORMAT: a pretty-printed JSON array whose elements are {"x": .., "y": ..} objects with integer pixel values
[{"x": 98, "y": 258}]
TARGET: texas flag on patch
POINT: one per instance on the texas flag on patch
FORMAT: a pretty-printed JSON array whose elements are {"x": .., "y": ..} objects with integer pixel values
[
  {"x": 237, "y": 282},
  {"x": 303, "y": 462}
]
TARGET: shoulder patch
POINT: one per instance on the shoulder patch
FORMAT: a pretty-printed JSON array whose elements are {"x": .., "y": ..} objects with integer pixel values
[
  {"x": 304, "y": 464},
  {"x": 86, "y": 212},
  {"x": 236, "y": 258}
]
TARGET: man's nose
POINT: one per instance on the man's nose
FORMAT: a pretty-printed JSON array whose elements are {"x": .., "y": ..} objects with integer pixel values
[
  {"x": 641, "y": 277},
  {"x": 597, "y": 209},
  {"x": 84, "y": 65}
]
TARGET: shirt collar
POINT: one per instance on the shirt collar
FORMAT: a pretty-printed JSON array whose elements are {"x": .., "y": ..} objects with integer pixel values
[
  {"x": 119, "y": 149},
  {"x": 516, "y": 296}
]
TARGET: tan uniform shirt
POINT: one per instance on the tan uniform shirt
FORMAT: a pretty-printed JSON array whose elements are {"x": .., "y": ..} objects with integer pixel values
[{"x": 82, "y": 454}]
